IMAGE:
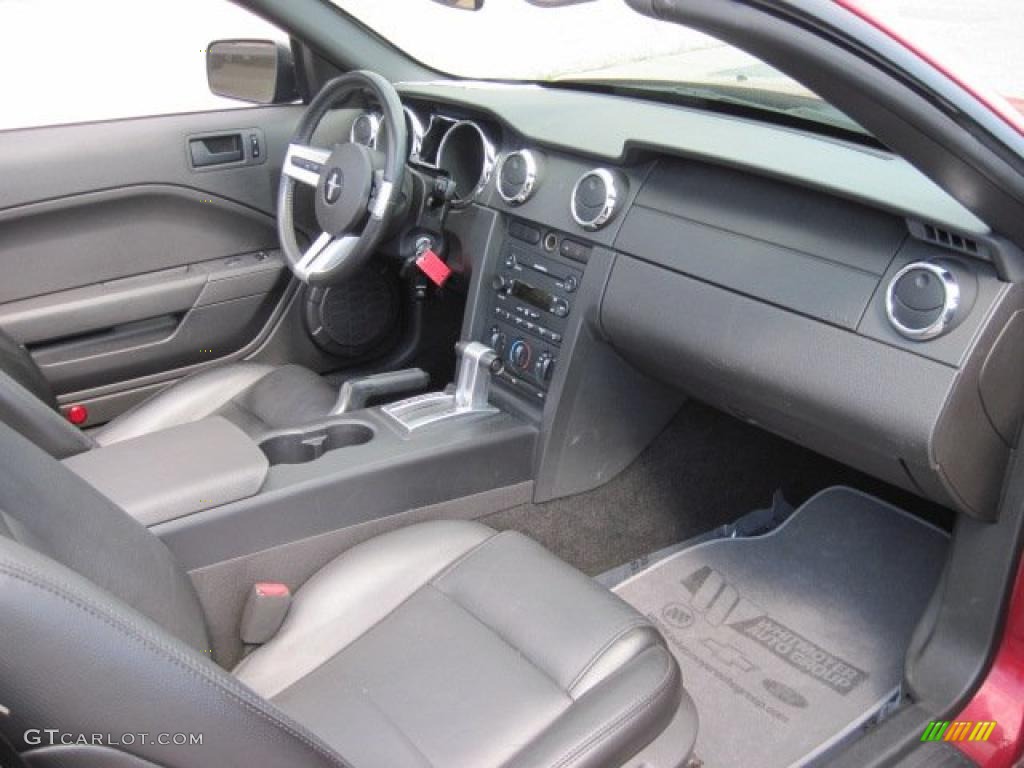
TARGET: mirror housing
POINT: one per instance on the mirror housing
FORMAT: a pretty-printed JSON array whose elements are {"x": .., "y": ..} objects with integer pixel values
[
  {"x": 256, "y": 71},
  {"x": 463, "y": 5}
]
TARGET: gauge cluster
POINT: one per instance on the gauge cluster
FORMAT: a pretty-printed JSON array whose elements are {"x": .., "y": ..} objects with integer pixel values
[
  {"x": 368, "y": 128},
  {"x": 463, "y": 149}
]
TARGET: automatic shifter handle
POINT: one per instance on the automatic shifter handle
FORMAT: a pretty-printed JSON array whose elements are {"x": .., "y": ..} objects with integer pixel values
[{"x": 476, "y": 364}]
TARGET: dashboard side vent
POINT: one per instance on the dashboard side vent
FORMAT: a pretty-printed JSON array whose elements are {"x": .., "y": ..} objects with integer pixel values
[{"x": 946, "y": 238}]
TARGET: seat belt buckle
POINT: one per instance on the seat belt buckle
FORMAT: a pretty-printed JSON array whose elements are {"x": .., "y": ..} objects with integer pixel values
[{"x": 265, "y": 611}]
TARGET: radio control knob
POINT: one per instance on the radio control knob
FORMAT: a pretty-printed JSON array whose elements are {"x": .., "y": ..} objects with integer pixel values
[
  {"x": 498, "y": 340},
  {"x": 560, "y": 308},
  {"x": 545, "y": 367},
  {"x": 499, "y": 283},
  {"x": 519, "y": 354}
]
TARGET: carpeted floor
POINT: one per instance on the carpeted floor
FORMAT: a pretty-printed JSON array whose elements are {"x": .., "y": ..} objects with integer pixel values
[{"x": 706, "y": 469}]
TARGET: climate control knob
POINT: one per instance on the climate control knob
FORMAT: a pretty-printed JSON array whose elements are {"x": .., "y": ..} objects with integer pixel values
[
  {"x": 520, "y": 354},
  {"x": 544, "y": 368},
  {"x": 498, "y": 340}
]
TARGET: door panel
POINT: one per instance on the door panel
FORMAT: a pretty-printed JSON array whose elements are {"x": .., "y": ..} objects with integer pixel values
[
  {"x": 123, "y": 329},
  {"x": 100, "y": 236},
  {"x": 126, "y": 265},
  {"x": 64, "y": 160}
]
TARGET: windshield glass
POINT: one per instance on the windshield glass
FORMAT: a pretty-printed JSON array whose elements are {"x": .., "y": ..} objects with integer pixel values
[{"x": 604, "y": 42}]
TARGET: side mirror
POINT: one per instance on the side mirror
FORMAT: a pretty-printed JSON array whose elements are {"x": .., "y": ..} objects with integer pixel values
[
  {"x": 463, "y": 5},
  {"x": 258, "y": 71}
]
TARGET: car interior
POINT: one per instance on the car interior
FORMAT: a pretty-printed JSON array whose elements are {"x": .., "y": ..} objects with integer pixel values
[{"x": 403, "y": 420}]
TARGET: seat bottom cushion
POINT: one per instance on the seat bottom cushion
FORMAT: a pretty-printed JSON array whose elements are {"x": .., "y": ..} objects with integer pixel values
[
  {"x": 256, "y": 398},
  {"x": 448, "y": 644}
]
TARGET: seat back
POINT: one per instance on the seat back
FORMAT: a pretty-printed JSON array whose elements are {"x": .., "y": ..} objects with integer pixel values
[
  {"x": 18, "y": 364},
  {"x": 101, "y": 632},
  {"x": 27, "y": 403}
]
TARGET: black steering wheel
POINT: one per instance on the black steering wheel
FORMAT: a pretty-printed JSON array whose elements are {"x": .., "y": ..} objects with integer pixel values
[{"x": 355, "y": 185}]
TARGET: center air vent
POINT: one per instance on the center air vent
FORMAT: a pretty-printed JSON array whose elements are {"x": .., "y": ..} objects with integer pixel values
[
  {"x": 517, "y": 176},
  {"x": 597, "y": 197}
]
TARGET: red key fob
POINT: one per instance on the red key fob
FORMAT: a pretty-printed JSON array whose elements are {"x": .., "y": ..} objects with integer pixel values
[{"x": 431, "y": 265}]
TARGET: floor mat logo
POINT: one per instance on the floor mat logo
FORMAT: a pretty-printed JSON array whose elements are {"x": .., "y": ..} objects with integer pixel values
[
  {"x": 729, "y": 655},
  {"x": 784, "y": 693},
  {"x": 678, "y": 615},
  {"x": 721, "y": 604}
]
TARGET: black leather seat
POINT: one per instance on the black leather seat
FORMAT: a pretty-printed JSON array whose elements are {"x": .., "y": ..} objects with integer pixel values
[
  {"x": 255, "y": 397},
  {"x": 442, "y": 644}
]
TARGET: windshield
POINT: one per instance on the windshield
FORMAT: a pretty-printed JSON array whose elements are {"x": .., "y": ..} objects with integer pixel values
[{"x": 606, "y": 42}]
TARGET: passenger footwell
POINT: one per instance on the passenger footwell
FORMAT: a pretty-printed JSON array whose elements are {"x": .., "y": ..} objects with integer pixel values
[{"x": 790, "y": 641}]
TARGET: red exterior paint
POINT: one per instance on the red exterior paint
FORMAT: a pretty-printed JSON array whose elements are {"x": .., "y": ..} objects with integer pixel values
[
  {"x": 993, "y": 101},
  {"x": 1001, "y": 696}
]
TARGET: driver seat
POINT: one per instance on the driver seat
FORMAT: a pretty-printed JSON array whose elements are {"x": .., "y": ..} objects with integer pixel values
[{"x": 256, "y": 398}]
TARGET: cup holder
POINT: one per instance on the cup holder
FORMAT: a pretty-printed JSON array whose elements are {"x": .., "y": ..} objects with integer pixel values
[{"x": 303, "y": 447}]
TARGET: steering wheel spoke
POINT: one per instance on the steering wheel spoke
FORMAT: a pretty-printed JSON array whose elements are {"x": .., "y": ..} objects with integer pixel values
[
  {"x": 304, "y": 163},
  {"x": 355, "y": 186},
  {"x": 324, "y": 253},
  {"x": 380, "y": 198}
]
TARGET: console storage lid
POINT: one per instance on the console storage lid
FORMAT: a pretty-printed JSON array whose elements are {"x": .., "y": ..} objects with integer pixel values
[{"x": 177, "y": 471}]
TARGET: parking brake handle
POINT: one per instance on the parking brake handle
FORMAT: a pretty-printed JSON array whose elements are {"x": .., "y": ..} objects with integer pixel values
[{"x": 356, "y": 393}]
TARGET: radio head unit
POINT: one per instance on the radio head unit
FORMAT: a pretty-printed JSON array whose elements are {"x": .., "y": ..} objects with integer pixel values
[{"x": 528, "y": 307}]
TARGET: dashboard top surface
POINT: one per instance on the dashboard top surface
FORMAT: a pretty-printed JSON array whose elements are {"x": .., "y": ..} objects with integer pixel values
[{"x": 601, "y": 129}]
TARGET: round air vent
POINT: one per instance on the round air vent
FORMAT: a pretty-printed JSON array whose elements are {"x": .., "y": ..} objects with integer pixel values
[
  {"x": 366, "y": 129},
  {"x": 517, "y": 176},
  {"x": 922, "y": 300},
  {"x": 596, "y": 197}
]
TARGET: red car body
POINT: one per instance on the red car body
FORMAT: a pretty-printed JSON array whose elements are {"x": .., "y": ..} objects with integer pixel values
[{"x": 1001, "y": 697}]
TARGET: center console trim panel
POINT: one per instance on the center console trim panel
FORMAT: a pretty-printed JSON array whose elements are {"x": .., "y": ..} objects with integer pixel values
[{"x": 389, "y": 474}]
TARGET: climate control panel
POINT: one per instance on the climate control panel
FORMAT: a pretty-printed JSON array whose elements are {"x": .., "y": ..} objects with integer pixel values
[{"x": 530, "y": 303}]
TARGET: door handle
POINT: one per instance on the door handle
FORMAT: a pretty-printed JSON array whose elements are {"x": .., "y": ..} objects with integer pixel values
[{"x": 216, "y": 150}]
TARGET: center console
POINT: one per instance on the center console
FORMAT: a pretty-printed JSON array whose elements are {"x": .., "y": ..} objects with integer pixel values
[{"x": 529, "y": 302}]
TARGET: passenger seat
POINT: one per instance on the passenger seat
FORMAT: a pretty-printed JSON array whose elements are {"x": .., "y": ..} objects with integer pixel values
[{"x": 441, "y": 644}]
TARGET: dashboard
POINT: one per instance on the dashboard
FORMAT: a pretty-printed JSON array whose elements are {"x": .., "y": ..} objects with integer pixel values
[{"x": 824, "y": 290}]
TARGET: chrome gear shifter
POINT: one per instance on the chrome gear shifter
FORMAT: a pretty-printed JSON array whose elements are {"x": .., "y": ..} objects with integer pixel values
[{"x": 477, "y": 362}]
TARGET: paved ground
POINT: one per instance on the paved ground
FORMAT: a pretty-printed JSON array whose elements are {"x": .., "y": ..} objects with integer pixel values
[{"x": 68, "y": 60}]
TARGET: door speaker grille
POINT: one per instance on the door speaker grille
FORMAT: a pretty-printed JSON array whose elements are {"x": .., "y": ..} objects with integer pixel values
[{"x": 352, "y": 319}]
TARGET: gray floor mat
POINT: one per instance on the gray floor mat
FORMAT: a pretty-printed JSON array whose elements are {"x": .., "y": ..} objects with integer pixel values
[
  {"x": 790, "y": 640},
  {"x": 751, "y": 524}
]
